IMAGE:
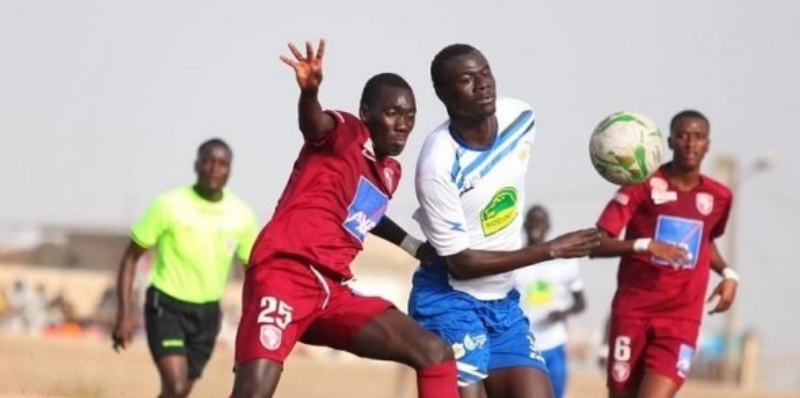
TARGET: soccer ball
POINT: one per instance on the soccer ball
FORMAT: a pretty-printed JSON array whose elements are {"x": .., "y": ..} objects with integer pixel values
[{"x": 626, "y": 148}]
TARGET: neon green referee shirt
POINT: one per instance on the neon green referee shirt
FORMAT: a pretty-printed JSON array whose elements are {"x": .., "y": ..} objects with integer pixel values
[{"x": 195, "y": 241}]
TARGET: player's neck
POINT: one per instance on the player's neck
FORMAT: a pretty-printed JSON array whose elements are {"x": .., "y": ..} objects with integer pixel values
[
  {"x": 683, "y": 178},
  {"x": 478, "y": 133},
  {"x": 211, "y": 195}
]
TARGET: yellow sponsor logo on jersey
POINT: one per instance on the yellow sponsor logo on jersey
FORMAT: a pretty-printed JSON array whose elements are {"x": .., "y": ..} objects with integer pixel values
[{"x": 500, "y": 212}]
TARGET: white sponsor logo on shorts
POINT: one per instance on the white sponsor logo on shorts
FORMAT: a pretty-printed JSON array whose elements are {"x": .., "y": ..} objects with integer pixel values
[{"x": 270, "y": 337}]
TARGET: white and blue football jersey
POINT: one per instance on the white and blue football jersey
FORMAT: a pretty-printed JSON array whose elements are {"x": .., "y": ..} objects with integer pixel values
[{"x": 474, "y": 198}]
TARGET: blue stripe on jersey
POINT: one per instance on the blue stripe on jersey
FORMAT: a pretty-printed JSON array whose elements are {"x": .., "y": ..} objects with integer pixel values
[
  {"x": 457, "y": 164},
  {"x": 522, "y": 121},
  {"x": 508, "y": 149}
]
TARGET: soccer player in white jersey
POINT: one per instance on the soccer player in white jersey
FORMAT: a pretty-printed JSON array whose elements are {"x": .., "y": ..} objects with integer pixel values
[{"x": 470, "y": 184}]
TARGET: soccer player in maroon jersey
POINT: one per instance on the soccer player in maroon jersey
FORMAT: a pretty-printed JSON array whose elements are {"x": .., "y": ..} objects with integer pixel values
[
  {"x": 671, "y": 220},
  {"x": 295, "y": 288}
]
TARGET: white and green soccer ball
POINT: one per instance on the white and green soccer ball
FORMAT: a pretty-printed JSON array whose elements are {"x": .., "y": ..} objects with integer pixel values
[{"x": 626, "y": 148}]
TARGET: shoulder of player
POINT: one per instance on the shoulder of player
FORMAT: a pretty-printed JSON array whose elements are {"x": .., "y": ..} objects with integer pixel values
[
  {"x": 717, "y": 188},
  {"x": 510, "y": 109},
  {"x": 346, "y": 121},
  {"x": 177, "y": 195},
  {"x": 438, "y": 150}
]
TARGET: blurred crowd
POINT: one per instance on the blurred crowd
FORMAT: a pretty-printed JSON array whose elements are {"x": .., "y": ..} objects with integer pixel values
[{"x": 31, "y": 309}]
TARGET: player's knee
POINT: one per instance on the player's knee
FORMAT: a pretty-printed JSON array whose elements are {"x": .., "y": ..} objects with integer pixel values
[
  {"x": 431, "y": 350},
  {"x": 176, "y": 389}
]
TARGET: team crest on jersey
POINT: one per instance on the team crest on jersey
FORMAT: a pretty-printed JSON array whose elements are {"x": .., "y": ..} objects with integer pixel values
[
  {"x": 705, "y": 203},
  {"x": 620, "y": 371},
  {"x": 500, "y": 212},
  {"x": 270, "y": 337},
  {"x": 366, "y": 209}
]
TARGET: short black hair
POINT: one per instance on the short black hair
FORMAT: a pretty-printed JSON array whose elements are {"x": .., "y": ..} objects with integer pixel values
[
  {"x": 371, "y": 92},
  {"x": 687, "y": 113},
  {"x": 444, "y": 56},
  {"x": 213, "y": 142}
]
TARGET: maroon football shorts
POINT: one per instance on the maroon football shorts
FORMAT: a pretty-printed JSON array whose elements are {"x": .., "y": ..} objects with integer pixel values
[
  {"x": 285, "y": 300},
  {"x": 663, "y": 346}
]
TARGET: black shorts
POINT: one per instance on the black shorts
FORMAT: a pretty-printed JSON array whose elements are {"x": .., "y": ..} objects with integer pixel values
[{"x": 175, "y": 327}]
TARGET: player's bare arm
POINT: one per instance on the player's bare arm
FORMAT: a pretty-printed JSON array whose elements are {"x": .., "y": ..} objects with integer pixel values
[
  {"x": 122, "y": 333},
  {"x": 725, "y": 290},
  {"x": 470, "y": 264},
  {"x": 314, "y": 123}
]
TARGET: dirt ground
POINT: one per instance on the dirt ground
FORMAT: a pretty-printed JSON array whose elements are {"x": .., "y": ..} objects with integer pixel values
[{"x": 88, "y": 368}]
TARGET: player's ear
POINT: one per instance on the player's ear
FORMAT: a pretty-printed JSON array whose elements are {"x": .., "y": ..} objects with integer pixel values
[
  {"x": 441, "y": 93},
  {"x": 363, "y": 112},
  {"x": 669, "y": 142}
]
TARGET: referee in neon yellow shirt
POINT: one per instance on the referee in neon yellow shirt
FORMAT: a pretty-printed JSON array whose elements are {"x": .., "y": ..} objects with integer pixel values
[{"x": 195, "y": 231}]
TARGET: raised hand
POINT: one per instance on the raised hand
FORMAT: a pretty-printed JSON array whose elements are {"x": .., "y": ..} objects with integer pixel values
[
  {"x": 308, "y": 68},
  {"x": 574, "y": 244}
]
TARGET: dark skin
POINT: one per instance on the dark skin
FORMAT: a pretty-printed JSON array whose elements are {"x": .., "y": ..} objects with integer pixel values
[
  {"x": 537, "y": 225},
  {"x": 468, "y": 93},
  {"x": 689, "y": 141},
  {"x": 392, "y": 335},
  {"x": 213, "y": 167}
]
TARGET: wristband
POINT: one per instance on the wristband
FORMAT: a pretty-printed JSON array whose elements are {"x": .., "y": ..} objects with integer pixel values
[
  {"x": 729, "y": 273},
  {"x": 641, "y": 245},
  {"x": 411, "y": 244}
]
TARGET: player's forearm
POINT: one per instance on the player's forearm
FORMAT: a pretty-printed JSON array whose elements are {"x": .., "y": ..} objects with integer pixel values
[
  {"x": 314, "y": 123},
  {"x": 388, "y": 230},
  {"x": 718, "y": 263},
  {"x": 471, "y": 264},
  {"x": 125, "y": 276},
  {"x": 612, "y": 247}
]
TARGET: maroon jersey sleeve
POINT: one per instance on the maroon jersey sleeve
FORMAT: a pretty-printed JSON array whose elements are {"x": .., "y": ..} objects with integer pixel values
[
  {"x": 719, "y": 228},
  {"x": 621, "y": 208},
  {"x": 346, "y": 130}
]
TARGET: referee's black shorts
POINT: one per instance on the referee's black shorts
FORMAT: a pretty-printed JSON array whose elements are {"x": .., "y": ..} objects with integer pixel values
[{"x": 176, "y": 327}]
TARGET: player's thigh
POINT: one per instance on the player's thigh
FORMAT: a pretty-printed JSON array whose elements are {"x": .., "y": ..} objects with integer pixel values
[
  {"x": 518, "y": 382},
  {"x": 627, "y": 342},
  {"x": 655, "y": 385},
  {"x": 556, "y": 359},
  {"x": 671, "y": 349},
  {"x": 280, "y": 299},
  {"x": 512, "y": 344},
  {"x": 392, "y": 335}
]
